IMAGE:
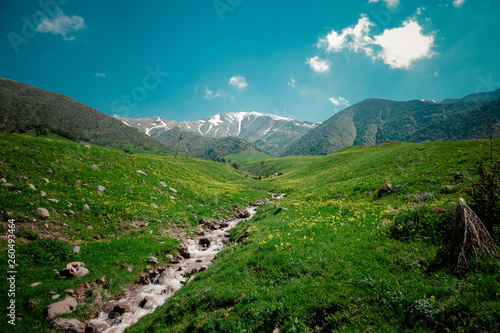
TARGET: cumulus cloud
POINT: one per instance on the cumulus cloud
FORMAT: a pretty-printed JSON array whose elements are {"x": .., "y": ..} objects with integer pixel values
[
  {"x": 292, "y": 82},
  {"x": 402, "y": 46},
  {"x": 62, "y": 24},
  {"x": 318, "y": 65},
  {"x": 337, "y": 101},
  {"x": 100, "y": 74},
  {"x": 397, "y": 47},
  {"x": 458, "y": 3},
  {"x": 238, "y": 82}
]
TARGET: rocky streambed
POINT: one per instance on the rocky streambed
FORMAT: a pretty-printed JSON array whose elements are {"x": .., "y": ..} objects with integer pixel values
[{"x": 196, "y": 253}]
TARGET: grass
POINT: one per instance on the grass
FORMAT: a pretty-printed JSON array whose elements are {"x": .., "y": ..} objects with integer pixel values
[{"x": 330, "y": 256}]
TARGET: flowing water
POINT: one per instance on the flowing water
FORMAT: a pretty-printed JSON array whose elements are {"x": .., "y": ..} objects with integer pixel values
[{"x": 117, "y": 315}]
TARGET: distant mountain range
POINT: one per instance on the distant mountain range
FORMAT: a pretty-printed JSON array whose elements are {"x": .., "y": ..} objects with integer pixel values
[
  {"x": 22, "y": 106},
  {"x": 268, "y": 132},
  {"x": 416, "y": 121}
]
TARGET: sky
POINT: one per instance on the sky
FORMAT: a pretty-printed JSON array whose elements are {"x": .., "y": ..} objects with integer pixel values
[{"x": 306, "y": 60}]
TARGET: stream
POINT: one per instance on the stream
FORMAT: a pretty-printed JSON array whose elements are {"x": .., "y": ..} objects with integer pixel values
[{"x": 196, "y": 254}]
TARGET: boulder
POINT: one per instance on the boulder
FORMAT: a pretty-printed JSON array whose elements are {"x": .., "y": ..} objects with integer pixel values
[
  {"x": 43, "y": 212},
  {"x": 183, "y": 250},
  {"x": 142, "y": 173},
  {"x": 204, "y": 242},
  {"x": 68, "y": 325},
  {"x": 74, "y": 269},
  {"x": 200, "y": 232},
  {"x": 384, "y": 189},
  {"x": 244, "y": 214},
  {"x": 67, "y": 305}
]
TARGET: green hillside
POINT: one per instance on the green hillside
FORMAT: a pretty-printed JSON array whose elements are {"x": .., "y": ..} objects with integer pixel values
[
  {"x": 415, "y": 121},
  {"x": 22, "y": 106},
  {"x": 329, "y": 256},
  {"x": 332, "y": 257},
  {"x": 206, "y": 147}
]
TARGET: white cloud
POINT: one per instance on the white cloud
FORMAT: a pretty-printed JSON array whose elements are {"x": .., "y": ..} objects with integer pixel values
[
  {"x": 209, "y": 94},
  {"x": 318, "y": 65},
  {"x": 402, "y": 46},
  {"x": 292, "y": 82},
  {"x": 100, "y": 74},
  {"x": 337, "y": 101},
  {"x": 458, "y": 3},
  {"x": 389, "y": 3},
  {"x": 62, "y": 25},
  {"x": 354, "y": 38},
  {"x": 397, "y": 47},
  {"x": 238, "y": 82}
]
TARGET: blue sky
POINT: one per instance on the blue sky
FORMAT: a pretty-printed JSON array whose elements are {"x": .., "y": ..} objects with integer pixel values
[{"x": 187, "y": 60}]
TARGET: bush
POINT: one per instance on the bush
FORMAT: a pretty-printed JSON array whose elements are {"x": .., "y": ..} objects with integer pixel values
[{"x": 485, "y": 193}]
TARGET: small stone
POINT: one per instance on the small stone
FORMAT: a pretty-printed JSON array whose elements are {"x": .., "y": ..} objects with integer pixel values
[
  {"x": 129, "y": 269},
  {"x": 46, "y": 225},
  {"x": 153, "y": 261},
  {"x": 86, "y": 207},
  {"x": 384, "y": 189},
  {"x": 142, "y": 173},
  {"x": 48, "y": 171},
  {"x": 295, "y": 204},
  {"x": 56, "y": 296},
  {"x": 72, "y": 212},
  {"x": 173, "y": 189},
  {"x": 35, "y": 284},
  {"x": 457, "y": 176},
  {"x": 143, "y": 182},
  {"x": 163, "y": 184},
  {"x": 100, "y": 189},
  {"x": 448, "y": 189},
  {"x": 87, "y": 146},
  {"x": 172, "y": 197},
  {"x": 42, "y": 212},
  {"x": 76, "y": 249},
  {"x": 32, "y": 187},
  {"x": 94, "y": 166},
  {"x": 154, "y": 198},
  {"x": 154, "y": 205},
  {"x": 3, "y": 180},
  {"x": 53, "y": 200},
  {"x": 8, "y": 185},
  {"x": 90, "y": 227},
  {"x": 200, "y": 232},
  {"x": 42, "y": 193},
  {"x": 70, "y": 204},
  {"x": 46, "y": 180}
]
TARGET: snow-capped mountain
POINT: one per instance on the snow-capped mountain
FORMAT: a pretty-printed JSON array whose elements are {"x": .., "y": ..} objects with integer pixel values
[{"x": 266, "y": 131}]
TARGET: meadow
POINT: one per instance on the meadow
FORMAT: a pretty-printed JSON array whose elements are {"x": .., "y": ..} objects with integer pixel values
[{"x": 331, "y": 256}]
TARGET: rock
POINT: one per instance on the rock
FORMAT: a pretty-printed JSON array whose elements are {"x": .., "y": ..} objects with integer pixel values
[
  {"x": 87, "y": 146},
  {"x": 438, "y": 211},
  {"x": 384, "y": 189},
  {"x": 101, "y": 281},
  {"x": 67, "y": 305},
  {"x": 35, "y": 284},
  {"x": 46, "y": 180},
  {"x": 8, "y": 185},
  {"x": 3, "y": 180},
  {"x": 56, "y": 296},
  {"x": 119, "y": 309},
  {"x": 76, "y": 249},
  {"x": 154, "y": 205},
  {"x": 183, "y": 250},
  {"x": 171, "y": 197},
  {"x": 43, "y": 212},
  {"x": 244, "y": 214},
  {"x": 142, "y": 173},
  {"x": 173, "y": 189},
  {"x": 94, "y": 166},
  {"x": 153, "y": 261},
  {"x": 200, "y": 232},
  {"x": 154, "y": 198},
  {"x": 48, "y": 171},
  {"x": 74, "y": 269},
  {"x": 90, "y": 227},
  {"x": 68, "y": 325},
  {"x": 424, "y": 196},
  {"x": 398, "y": 187},
  {"x": 457, "y": 176},
  {"x": 100, "y": 189},
  {"x": 223, "y": 225},
  {"x": 86, "y": 207},
  {"x": 70, "y": 204},
  {"x": 46, "y": 225},
  {"x": 204, "y": 242},
  {"x": 32, "y": 187},
  {"x": 169, "y": 256},
  {"x": 72, "y": 212},
  {"x": 53, "y": 200},
  {"x": 209, "y": 225},
  {"x": 294, "y": 204},
  {"x": 163, "y": 184},
  {"x": 129, "y": 269}
]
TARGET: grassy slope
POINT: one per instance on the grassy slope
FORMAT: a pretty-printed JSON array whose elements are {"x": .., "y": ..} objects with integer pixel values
[
  {"x": 330, "y": 263},
  {"x": 127, "y": 229}
]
